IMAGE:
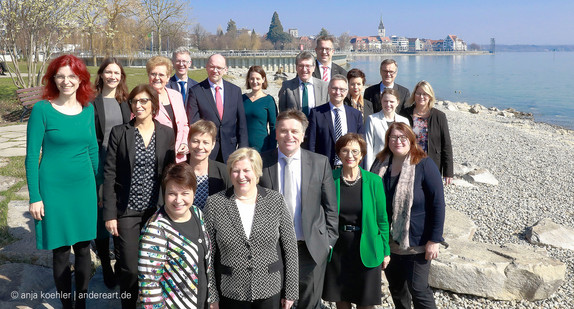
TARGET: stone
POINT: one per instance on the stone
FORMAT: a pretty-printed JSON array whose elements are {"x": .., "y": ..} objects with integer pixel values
[
  {"x": 505, "y": 114},
  {"x": 3, "y": 161},
  {"x": 23, "y": 285},
  {"x": 462, "y": 183},
  {"x": 13, "y": 152},
  {"x": 493, "y": 109},
  {"x": 7, "y": 145},
  {"x": 509, "y": 272},
  {"x": 23, "y": 193},
  {"x": 450, "y": 106},
  {"x": 481, "y": 175},
  {"x": 546, "y": 232},
  {"x": 6, "y": 182},
  {"x": 457, "y": 226},
  {"x": 462, "y": 169},
  {"x": 476, "y": 108}
]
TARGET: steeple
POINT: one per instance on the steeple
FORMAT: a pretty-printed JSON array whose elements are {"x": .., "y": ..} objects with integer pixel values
[{"x": 381, "y": 27}]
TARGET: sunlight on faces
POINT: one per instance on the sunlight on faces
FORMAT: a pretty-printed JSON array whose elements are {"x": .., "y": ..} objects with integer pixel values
[
  {"x": 182, "y": 63},
  {"x": 216, "y": 68},
  {"x": 256, "y": 81},
  {"x": 351, "y": 155},
  {"x": 356, "y": 86},
  {"x": 422, "y": 98},
  {"x": 389, "y": 104},
  {"x": 324, "y": 51},
  {"x": 67, "y": 81},
  {"x": 388, "y": 73},
  {"x": 289, "y": 134},
  {"x": 398, "y": 143},
  {"x": 112, "y": 76},
  {"x": 200, "y": 146},
  {"x": 158, "y": 77},
  {"x": 337, "y": 92},
  {"x": 140, "y": 109},
  {"x": 305, "y": 69},
  {"x": 243, "y": 178},
  {"x": 178, "y": 200}
]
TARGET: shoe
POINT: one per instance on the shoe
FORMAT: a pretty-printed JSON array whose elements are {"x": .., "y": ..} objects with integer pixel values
[{"x": 110, "y": 279}]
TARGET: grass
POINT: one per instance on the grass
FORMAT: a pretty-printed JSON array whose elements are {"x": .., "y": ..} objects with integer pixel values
[{"x": 14, "y": 168}]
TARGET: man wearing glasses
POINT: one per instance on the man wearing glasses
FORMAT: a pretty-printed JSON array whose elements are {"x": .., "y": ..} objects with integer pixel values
[
  {"x": 325, "y": 68},
  {"x": 181, "y": 59},
  {"x": 389, "y": 69}
]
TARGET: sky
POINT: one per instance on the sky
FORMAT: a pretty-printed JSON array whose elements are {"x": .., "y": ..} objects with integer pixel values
[{"x": 548, "y": 22}]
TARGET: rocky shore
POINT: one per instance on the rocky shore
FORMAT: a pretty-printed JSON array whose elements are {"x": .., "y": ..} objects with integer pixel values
[{"x": 531, "y": 162}]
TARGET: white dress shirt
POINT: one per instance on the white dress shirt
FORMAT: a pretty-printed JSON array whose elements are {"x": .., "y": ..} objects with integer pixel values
[
  {"x": 296, "y": 176},
  {"x": 212, "y": 87},
  {"x": 310, "y": 91}
]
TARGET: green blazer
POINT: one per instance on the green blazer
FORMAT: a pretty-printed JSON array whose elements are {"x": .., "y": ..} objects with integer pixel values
[{"x": 375, "y": 230}]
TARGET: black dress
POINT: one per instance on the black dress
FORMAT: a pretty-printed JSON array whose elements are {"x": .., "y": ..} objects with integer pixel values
[{"x": 346, "y": 278}]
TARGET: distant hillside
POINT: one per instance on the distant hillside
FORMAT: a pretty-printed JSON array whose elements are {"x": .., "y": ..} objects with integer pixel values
[{"x": 530, "y": 48}]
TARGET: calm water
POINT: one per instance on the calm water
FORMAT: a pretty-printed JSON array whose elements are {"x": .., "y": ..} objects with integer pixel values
[{"x": 540, "y": 83}]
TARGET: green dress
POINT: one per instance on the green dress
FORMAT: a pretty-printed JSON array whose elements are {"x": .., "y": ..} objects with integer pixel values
[
  {"x": 258, "y": 114},
  {"x": 64, "y": 179}
]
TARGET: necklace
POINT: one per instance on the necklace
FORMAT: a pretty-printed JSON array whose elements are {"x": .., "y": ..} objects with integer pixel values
[{"x": 354, "y": 182}]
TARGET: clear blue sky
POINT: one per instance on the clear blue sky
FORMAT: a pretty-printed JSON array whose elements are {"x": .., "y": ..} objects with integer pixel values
[{"x": 509, "y": 21}]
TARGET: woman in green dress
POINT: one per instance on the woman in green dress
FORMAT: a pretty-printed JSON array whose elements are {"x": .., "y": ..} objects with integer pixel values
[
  {"x": 62, "y": 185},
  {"x": 260, "y": 111}
]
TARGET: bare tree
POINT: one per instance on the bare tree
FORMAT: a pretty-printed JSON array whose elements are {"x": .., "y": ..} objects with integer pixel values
[
  {"x": 344, "y": 41},
  {"x": 158, "y": 12},
  {"x": 114, "y": 12},
  {"x": 91, "y": 17},
  {"x": 198, "y": 34}
]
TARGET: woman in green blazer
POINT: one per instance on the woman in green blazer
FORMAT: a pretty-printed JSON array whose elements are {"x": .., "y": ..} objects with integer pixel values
[{"x": 354, "y": 272}]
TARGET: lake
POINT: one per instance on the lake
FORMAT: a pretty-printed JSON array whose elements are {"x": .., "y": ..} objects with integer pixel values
[{"x": 541, "y": 83}]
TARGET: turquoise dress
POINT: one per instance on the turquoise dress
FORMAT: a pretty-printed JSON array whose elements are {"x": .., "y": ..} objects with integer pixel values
[
  {"x": 258, "y": 114},
  {"x": 64, "y": 179}
]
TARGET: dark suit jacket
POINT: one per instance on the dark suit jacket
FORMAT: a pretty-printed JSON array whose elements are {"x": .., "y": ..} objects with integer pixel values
[
  {"x": 321, "y": 132},
  {"x": 217, "y": 177},
  {"x": 373, "y": 94},
  {"x": 262, "y": 264},
  {"x": 367, "y": 108},
  {"x": 232, "y": 129},
  {"x": 172, "y": 84},
  {"x": 439, "y": 145},
  {"x": 289, "y": 97},
  {"x": 100, "y": 116},
  {"x": 120, "y": 161},
  {"x": 319, "y": 217},
  {"x": 335, "y": 69}
]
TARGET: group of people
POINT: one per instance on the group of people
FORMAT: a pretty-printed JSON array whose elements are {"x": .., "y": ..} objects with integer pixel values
[{"x": 216, "y": 199}]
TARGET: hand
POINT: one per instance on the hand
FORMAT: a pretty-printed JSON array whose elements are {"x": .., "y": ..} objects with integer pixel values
[
  {"x": 431, "y": 250},
  {"x": 386, "y": 261},
  {"x": 112, "y": 227},
  {"x": 447, "y": 180},
  {"x": 214, "y": 305},
  {"x": 286, "y": 304},
  {"x": 37, "y": 210},
  {"x": 183, "y": 149}
]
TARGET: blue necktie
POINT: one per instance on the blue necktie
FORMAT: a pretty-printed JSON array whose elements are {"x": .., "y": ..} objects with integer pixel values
[{"x": 182, "y": 86}]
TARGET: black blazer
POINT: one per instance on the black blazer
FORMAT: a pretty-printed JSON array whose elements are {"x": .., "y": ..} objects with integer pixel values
[
  {"x": 172, "y": 84},
  {"x": 373, "y": 94},
  {"x": 100, "y": 116},
  {"x": 367, "y": 108},
  {"x": 217, "y": 177},
  {"x": 335, "y": 69},
  {"x": 439, "y": 145},
  {"x": 119, "y": 166}
]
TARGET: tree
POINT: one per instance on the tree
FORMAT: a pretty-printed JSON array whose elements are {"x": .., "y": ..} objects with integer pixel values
[
  {"x": 231, "y": 28},
  {"x": 344, "y": 41},
  {"x": 255, "y": 41},
  {"x": 158, "y": 12},
  {"x": 323, "y": 32},
  {"x": 33, "y": 30},
  {"x": 474, "y": 46},
  {"x": 219, "y": 31},
  {"x": 115, "y": 12},
  {"x": 276, "y": 35},
  {"x": 91, "y": 18},
  {"x": 198, "y": 34}
]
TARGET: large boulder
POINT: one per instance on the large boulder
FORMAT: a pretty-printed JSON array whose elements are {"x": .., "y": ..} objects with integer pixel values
[
  {"x": 457, "y": 226},
  {"x": 546, "y": 232},
  {"x": 481, "y": 175},
  {"x": 509, "y": 272}
]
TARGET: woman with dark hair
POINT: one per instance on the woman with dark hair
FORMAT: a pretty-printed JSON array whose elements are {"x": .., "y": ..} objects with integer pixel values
[
  {"x": 211, "y": 175},
  {"x": 138, "y": 152},
  {"x": 354, "y": 273},
  {"x": 111, "y": 109},
  {"x": 355, "y": 97},
  {"x": 174, "y": 244},
  {"x": 62, "y": 186},
  {"x": 261, "y": 110},
  {"x": 416, "y": 209},
  {"x": 431, "y": 128}
]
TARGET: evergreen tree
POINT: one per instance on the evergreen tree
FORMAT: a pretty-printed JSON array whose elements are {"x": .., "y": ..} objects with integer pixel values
[
  {"x": 231, "y": 28},
  {"x": 276, "y": 35},
  {"x": 323, "y": 32}
]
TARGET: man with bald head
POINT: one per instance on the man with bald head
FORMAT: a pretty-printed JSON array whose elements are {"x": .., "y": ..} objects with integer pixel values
[{"x": 219, "y": 101}]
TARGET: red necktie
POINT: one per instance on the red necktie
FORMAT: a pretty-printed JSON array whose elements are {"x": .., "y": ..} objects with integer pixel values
[
  {"x": 325, "y": 71},
  {"x": 219, "y": 102}
]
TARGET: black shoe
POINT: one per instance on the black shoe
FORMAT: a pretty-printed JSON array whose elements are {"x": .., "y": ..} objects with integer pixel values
[{"x": 110, "y": 279}]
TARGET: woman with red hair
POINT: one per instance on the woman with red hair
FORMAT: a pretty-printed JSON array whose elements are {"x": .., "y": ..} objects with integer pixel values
[{"x": 62, "y": 183}]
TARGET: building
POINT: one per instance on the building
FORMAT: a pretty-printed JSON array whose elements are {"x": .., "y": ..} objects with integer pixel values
[
  {"x": 400, "y": 43},
  {"x": 453, "y": 43},
  {"x": 294, "y": 32},
  {"x": 381, "y": 28},
  {"x": 415, "y": 44}
]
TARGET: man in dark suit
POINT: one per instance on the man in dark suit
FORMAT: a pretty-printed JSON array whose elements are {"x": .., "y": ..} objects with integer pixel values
[
  {"x": 304, "y": 91},
  {"x": 306, "y": 182},
  {"x": 328, "y": 122},
  {"x": 219, "y": 101},
  {"x": 181, "y": 59},
  {"x": 326, "y": 68},
  {"x": 389, "y": 69}
]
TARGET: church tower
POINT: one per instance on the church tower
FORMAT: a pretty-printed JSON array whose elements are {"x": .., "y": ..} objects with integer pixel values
[{"x": 381, "y": 28}]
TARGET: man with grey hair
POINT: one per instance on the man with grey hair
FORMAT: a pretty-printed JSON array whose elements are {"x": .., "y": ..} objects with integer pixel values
[
  {"x": 304, "y": 91},
  {"x": 181, "y": 59},
  {"x": 326, "y": 68},
  {"x": 389, "y": 69},
  {"x": 328, "y": 122}
]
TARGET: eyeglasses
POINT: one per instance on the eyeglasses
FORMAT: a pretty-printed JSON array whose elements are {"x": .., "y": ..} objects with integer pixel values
[
  {"x": 182, "y": 62},
  {"x": 354, "y": 152},
  {"x": 214, "y": 68},
  {"x": 160, "y": 75},
  {"x": 142, "y": 101},
  {"x": 401, "y": 138},
  {"x": 422, "y": 94},
  {"x": 305, "y": 66},
  {"x": 61, "y": 78},
  {"x": 318, "y": 49},
  {"x": 391, "y": 73},
  {"x": 341, "y": 90}
]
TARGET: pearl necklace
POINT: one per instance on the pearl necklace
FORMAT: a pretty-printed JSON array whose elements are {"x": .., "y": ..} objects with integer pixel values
[{"x": 354, "y": 182}]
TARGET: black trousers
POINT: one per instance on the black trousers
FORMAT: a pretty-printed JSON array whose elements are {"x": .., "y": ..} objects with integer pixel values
[
  {"x": 311, "y": 278},
  {"x": 273, "y": 302},
  {"x": 127, "y": 245},
  {"x": 408, "y": 279},
  {"x": 63, "y": 274}
]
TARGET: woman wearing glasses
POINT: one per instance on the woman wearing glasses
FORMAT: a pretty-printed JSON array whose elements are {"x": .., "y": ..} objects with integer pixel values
[
  {"x": 354, "y": 273},
  {"x": 138, "y": 151},
  {"x": 415, "y": 208},
  {"x": 431, "y": 128},
  {"x": 171, "y": 108}
]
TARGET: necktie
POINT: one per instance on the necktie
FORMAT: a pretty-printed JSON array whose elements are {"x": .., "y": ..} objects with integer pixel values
[
  {"x": 325, "y": 71},
  {"x": 288, "y": 185},
  {"x": 219, "y": 101},
  {"x": 338, "y": 132},
  {"x": 182, "y": 87},
  {"x": 305, "y": 100}
]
